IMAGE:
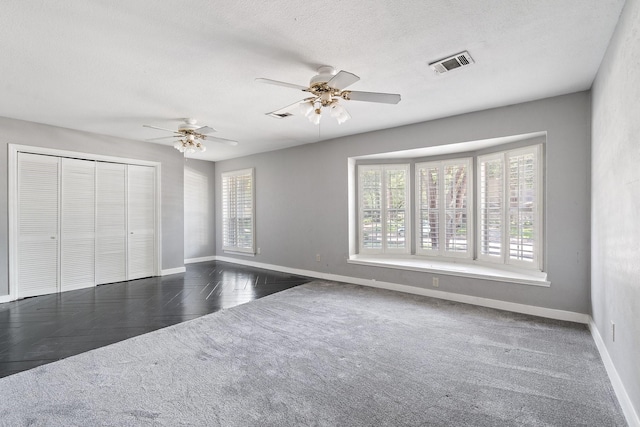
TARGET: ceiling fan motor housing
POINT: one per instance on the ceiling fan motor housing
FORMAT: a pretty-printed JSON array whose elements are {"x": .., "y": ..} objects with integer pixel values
[
  {"x": 189, "y": 124},
  {"x": 325, "y": 73}
]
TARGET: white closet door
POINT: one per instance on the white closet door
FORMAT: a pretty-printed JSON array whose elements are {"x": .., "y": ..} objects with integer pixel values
[
  {"x": 111, "y": 226},
  {"x": 77, "y": 225},
  {"x": 38, "y": 186},
  {"x": 141, "y": 221}
]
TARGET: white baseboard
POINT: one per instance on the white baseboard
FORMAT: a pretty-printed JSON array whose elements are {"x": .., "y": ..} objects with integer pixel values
[
  {"x": 201, "y": 259},
  {"x": 173, "y": 271},
  {"x": 625, "y": 402},
  {"x": 5, "y": 298},
  {"x": 549, "y": 313}
]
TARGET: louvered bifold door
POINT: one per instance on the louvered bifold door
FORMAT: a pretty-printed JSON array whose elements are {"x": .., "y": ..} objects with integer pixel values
[
  {"x": 141, "y": 221},
  {"x": 38, "y": 185},
  {"x": 77, "y": 225},
  {"x": 111, "y": 223}
]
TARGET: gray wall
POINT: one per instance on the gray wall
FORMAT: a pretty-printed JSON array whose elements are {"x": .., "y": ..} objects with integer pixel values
[
  {"x": 301, "y": 199},
  {"x": 33, "y": 134},
  {"x": 199, "y": 209},
  {"x": 615, "y": 207}
]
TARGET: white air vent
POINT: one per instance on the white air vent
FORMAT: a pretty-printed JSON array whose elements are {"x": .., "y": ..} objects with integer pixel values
[
  {"x": 458, "y": 60},
  {"x": 279, "y": 115}
]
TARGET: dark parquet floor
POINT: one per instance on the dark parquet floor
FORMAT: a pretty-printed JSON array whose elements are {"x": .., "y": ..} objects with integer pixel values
[{"x": 39, "y": 330}]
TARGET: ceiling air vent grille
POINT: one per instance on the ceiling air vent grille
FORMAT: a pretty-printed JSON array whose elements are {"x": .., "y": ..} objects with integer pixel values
[
  {"x": 279, "y": 115},
  {"x": 458, "y": 60}
]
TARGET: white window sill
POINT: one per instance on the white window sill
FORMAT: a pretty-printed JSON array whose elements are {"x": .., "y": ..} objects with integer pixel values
[
  {"x": 460, "y": 268},
  {"x": 237, "y": 252}
]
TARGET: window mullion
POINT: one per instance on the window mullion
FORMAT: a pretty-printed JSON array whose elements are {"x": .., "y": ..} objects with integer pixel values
[
  {"x": 383, "y": 208},
  {"x": 506, "y": 248},
  {"x": 442, "y": 223}
]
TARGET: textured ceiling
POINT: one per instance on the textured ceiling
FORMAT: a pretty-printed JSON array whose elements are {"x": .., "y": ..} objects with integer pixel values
[{"x": 109, "y": 67}]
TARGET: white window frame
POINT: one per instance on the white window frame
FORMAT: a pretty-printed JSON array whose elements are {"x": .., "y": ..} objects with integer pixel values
[
  {"x": 383, "y": 207},
  {"x": 504, "y": 256},
  {"x": 442, "y": 251},
  {"x": 250, "y": 173}
]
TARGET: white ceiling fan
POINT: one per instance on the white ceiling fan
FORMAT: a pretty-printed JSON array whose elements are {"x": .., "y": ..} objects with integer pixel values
[
  {"x": 327, "y": 88},
  {"x": 190, "y": 135}
]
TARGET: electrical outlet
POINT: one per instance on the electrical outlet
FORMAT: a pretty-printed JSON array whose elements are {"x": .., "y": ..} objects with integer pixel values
[
  {"x": 318, "y": 257},
  {"x": 613, "y": 331},
  {"x": 436, "y": 282},
  {"x": 258, "y": 251}
]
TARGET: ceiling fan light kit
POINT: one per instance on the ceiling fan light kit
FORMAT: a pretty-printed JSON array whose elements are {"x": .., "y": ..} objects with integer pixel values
[
  {"x": 327, "y": 88},
  {"x": 190, "y": 137},
  {"x": 189, "y": 145}
]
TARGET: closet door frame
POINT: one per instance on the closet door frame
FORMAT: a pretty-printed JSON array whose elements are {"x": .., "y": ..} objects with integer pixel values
[{"x": 13, "y": 151}]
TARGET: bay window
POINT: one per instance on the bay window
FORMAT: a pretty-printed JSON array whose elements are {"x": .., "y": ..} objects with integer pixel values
[{"x": 496, "y": 220}]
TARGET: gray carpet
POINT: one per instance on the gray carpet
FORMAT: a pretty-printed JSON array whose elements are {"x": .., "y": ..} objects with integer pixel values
[{"x": 328, "y": 354}]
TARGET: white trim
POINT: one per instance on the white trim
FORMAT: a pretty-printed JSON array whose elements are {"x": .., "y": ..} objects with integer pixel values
[
  {"x": 158, "y": 219},
  {"x": 12, "y": 168},
  {"x": 618, "y": 387},
  {"x": 238, "y": 252},
  {"x": 79, "y": 155},
  {"x": 251, "y": 172},
  {"x": 467, "y": 268},
  {"x": 6, "y": 298},
  {"x": 353, "y": 209},
  {"x": 447, "y": 149},
  {"x": 200, "y": 259},
  {"x": 549, "y": 313},
  {"x": 170, "y": 271}
]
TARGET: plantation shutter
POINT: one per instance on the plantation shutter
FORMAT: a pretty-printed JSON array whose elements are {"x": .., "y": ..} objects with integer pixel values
[
  {"x": 111, "y": 223},
  {"x": 238, "y": 211},
  {"x": 141, "y": 221},
  {"x": 523, "y": 205},
  {"x": 443, "y": 208},
  {"x": 370, "y": 189},
  {"x": 456, "y": 184},
  {"x": 491, "y": 206},
  {"x": 428, "y": 207},
  {"x": 77, "y": 255},
  {"x": 38, "y": 182},
  {"x": 510, "y": 206},
  {"x": 383, "y": 208},
  {"x": 396, "y": 208}
]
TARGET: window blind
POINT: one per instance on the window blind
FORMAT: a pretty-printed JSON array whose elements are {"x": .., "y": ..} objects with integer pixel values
[
  {"x": 383, "y": 205},
  {"x": 443, "y": 208},
  {"x": 510, "y": 206},
  {"x": 238, "y": 211}
]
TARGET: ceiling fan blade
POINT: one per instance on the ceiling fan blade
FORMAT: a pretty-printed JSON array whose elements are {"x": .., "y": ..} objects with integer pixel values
[
  {"x": 285, "y": 84},
  {"x": 222, "y": 140},
  {"x": 205, "y": 130},
  {"x": 342, "y": 80},
  {"x": 385, "y": 98},
  {"x": 163, "y": 137},
  {"x": 292, "y": 109},
  {"x": 155, "y": 127}
]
